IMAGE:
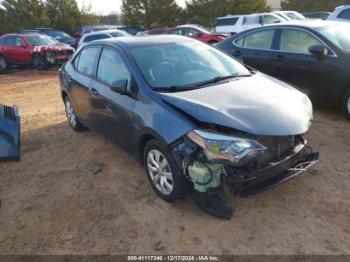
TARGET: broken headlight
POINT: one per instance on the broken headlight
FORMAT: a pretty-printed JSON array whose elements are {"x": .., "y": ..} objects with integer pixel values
[{"x": 222, "y": 147}]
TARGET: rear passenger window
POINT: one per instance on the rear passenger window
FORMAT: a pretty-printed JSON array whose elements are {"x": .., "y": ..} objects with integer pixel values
[
  {"x": 297, "y": 41},
  {"x": 261, "y": 39},
  {"x": 95, "y": 37},
  {"x": 86, "y": 60},
  {"x": 111, "y": 68}
]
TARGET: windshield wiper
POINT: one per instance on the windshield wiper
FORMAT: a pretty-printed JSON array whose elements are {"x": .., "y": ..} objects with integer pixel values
[
  {"x": 217, "y": 79},
  {"x": 170, "y": 89}
]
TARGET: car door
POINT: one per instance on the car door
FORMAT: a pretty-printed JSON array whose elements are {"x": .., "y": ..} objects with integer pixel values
[
  {"x": 256, "y": 49},
  {"x": 84, "y": 69},
  {"x": 112, "y": 112},
  {"x": 21, "y": 51},
  {"x": 302, "y": 69}
]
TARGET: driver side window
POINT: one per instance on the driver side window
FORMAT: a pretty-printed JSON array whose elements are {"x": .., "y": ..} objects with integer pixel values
[
  {"x": 111, "y": 68},
  {"x": 297, "y": 41}
]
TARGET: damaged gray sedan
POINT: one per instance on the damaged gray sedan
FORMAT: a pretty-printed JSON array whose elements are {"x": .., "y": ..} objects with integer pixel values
[{"x": 197, "y": 120}]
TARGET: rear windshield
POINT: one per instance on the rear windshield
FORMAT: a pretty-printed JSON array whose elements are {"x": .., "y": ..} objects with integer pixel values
[{"x": 226, "y": 21}]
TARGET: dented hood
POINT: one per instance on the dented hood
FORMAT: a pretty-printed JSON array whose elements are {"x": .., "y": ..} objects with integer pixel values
[{"x": 259, "y": 105}]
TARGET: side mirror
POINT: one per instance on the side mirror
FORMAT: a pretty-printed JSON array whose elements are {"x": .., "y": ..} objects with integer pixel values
[
  {"x": 120, "y": 86},
  {"x": 319, "y": 51}
]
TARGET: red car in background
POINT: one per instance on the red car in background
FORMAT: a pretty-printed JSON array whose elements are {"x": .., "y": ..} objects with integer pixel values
[
  {"x": 199, "y": 33},
  {"x": 41, "y": 51}
]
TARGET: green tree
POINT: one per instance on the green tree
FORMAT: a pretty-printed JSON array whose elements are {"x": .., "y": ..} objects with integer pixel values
[
  {"x": 312, "y": 5},
  {"x": 205, "y": 12},
  {"x": 19, "y": 14},
  {"x": 150, "y": 13},
  {"x": 64, "y": 14}
]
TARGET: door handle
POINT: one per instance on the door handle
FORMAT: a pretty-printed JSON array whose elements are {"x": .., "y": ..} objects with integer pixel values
[
  {"x": 93, "y": 91},
  {"x": 237, "y": 53},
  {"x": 280, "y": 58}
]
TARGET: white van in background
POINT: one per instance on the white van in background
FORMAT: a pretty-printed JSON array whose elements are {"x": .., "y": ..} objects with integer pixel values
[{"x": 237, "y": 23}]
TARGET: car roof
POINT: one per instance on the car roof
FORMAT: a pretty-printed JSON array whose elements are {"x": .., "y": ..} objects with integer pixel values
[
  {"x": 311, "y": 24},
  {"x": 255, "y": 14},
  {"x": 139, "y": 41},
  {"x": 21, "y": 35}
]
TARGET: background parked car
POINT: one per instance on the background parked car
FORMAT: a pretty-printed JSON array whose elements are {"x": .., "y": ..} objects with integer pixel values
[
  {"x": 198, "y": 33},
  {"x": 341, "y": 13},
  {"x": 311, "y": 55},
  {"x": 98, "y": 35},
  {"x": 317, "y": 15},
  {"x": 155, "y": 31},
  {"x": 237, "y": 23},
  {"x": 80, "y": 31},
  {"x": 60, "y": 36},
  {"x": 133, "y": 30},
  {"x": 38, "y": 50}
]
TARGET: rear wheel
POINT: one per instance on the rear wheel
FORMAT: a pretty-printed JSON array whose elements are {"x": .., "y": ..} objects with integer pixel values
[
  {"x": 72, "y": 116},
  {"x": 3, "y": 64},
  {"x": 346, "y": 104},
  {"x": 39, "y": 63},
  {"x": 164, "y": 175}
]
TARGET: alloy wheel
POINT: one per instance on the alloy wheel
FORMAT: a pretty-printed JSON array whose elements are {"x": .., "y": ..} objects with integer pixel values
[
  {"x": 160, "y": 172},
  {"x": 71, "y": 113}
]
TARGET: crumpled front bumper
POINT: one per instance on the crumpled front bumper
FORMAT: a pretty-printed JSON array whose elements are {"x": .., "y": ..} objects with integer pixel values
[
  {"x": 9, "y": 134},
  {"x": 252, "y": 183}
]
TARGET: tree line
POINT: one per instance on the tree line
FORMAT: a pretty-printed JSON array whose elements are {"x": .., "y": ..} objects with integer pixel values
[
  {"x": 61, "y": 14},
  {"x": 66, "y": 15}
]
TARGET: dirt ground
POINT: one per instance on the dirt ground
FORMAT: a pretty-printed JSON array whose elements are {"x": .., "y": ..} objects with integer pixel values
[{"x": 53, "y": 203}]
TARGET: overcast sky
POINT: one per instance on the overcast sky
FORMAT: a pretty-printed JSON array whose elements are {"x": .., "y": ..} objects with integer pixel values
[{"x": 107, "y": 6}]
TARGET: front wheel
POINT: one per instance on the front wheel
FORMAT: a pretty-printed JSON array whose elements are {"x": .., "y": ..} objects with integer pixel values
[
  {"x": 346, "y": 104},
  {"x": 164, "y": 175},
  {"x": 3, "y": 64},
  {"x": 39, "y": 63}
]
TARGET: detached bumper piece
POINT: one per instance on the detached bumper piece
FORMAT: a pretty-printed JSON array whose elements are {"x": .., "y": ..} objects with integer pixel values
[
  {"x": 252, "y": 183},
  {"x": 9, "y": 134}
]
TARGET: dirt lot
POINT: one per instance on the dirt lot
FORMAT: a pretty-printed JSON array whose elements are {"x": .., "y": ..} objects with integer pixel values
[{"x": 53, "y": 203}]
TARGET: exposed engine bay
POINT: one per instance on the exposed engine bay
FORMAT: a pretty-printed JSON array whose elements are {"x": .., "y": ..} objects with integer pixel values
[{"x": 241, "y": 164}]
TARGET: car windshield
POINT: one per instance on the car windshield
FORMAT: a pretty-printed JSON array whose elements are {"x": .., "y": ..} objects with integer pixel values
[
  {"x": 205, "y": 31},
  {"x": 338, "y": 35},
  {"x": 37, "y": 40},
  {"x": 119, "y": 33},
  {"x": 184, "y": 65},
  {"x": 58, "y": 35},
  {"x": 295, "y": 15}
]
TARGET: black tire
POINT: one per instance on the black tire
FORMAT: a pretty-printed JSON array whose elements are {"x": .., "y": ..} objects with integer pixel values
[
  {"x": 39, "y": 63},
  {"x": 181, "y": 186},
  {"x": 346, "y": 104},
  {"x": 76, "y": 125},
  {"x": 3, "y": 64}
]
